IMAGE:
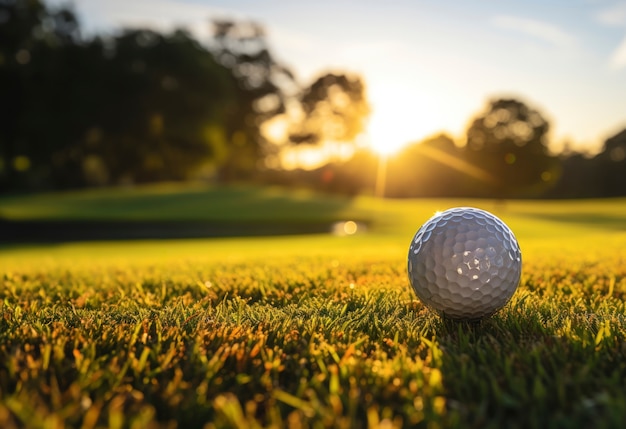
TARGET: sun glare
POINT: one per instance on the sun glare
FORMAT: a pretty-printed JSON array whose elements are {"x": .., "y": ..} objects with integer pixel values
[
  {"x": 309, "y": 157},
  {"x": 384, "y": 138},
  {"x": 396, "y": 120}
]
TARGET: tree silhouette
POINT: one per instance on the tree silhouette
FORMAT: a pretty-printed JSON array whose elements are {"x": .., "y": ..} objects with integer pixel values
[
  {"x": 162, "y": 100},
  {"x": 262, "y": 88},
  {"x": 508, "y": 141},
  {"x": 137, "y": 106},
  {"x": 334, "y": 108},
  {"x": 141, "y": 106},
  {"x": 611, "y": 164},
  {"x": 33, "y": 42}
]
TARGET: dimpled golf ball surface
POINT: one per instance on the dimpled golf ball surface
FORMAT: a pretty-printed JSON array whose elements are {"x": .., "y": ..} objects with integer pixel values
[{"x": 464, "y": 263}]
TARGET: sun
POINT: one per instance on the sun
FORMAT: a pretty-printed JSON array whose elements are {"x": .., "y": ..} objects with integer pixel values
[
  {"x": 398, "y": 118},
  {"x": 385, "y": 136},
  {"x": 393, "y": 123}
]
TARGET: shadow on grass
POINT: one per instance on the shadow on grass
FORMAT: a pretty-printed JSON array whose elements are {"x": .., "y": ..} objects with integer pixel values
[
  {"x": 79, "y": 230},
  {"x": 163, "y": 212},
  {"x": 530, "y": 368}
]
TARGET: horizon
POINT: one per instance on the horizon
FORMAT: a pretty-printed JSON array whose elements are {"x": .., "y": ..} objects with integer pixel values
[{"x": 430, "y": 67}]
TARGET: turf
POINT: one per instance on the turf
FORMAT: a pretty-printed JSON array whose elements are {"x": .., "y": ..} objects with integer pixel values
[
  {"x": 315, "y": 331},
  {"x": 177, "y": 202}
]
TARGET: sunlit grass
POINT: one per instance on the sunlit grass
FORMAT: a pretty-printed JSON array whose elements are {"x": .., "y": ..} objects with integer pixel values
[{"x": 315, "y": 331}]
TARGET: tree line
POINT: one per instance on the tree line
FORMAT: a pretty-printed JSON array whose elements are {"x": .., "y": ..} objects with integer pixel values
[
  {"x": 504, "y": 154},
  {"x": 143, "y": 106}
]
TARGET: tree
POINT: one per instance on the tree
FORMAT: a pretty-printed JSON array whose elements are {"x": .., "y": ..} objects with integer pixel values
[
  {"x": 161, "y": 101},
  {"x": 32, "y": 38},
  {"x": 334, "y": 108},
  {"x": 508, "y": 141},
  {"x": 144, "y": 106},
  {"x": 579, "y": 177},
  {"x": 262, "y": 87},
  {"x": 139, "y": 106},
  {"x": 612, "y": 166}
]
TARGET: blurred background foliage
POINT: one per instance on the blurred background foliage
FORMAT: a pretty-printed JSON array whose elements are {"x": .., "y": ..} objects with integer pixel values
[{"x": 141, "y": 106}]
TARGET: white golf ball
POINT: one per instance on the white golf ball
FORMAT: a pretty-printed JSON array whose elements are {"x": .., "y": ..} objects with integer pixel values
[{"x": 464, "y": 263}]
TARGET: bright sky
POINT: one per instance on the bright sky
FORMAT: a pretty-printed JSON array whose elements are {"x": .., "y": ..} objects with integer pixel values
[{"x": 431, "y": 65}]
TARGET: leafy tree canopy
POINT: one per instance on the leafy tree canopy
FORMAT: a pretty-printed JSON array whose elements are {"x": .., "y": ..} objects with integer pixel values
[
  {"x": 508, "y": 141},
  {"x": 334, "y": 108}
]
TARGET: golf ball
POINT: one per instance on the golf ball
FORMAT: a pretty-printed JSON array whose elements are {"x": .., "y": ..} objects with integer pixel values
[{"x": 464, "y": 263}]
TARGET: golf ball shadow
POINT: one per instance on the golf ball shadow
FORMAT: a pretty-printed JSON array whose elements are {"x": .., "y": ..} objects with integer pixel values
[{"x": 464, "y": 263}]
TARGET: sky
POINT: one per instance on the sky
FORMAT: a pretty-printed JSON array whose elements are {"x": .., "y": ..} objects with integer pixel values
[{"x": 430, "y": 66}]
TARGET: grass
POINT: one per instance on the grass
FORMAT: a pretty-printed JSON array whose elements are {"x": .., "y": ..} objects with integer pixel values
[
  {"x": 313, "y": 331},
  {"x": 176, "y": 202}
]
